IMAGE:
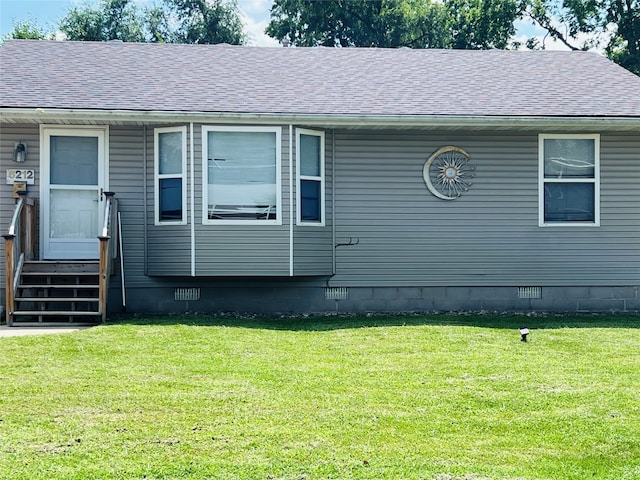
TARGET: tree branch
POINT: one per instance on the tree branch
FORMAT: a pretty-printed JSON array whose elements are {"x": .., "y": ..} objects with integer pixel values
[{"x": 545, "y": 23}]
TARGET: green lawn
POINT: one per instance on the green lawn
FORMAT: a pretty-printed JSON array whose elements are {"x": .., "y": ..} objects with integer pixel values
[{"x": 411, "y": 397}]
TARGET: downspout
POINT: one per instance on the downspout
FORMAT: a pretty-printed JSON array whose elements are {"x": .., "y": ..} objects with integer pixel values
[
  {"x": 291, "y": 182},
  {"x": 333, "y": 201},
  {"x": 144, "y": 198},
  {"x": 193, "y": 203}
]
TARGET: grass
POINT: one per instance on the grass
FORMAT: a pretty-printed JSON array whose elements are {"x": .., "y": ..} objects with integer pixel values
[{"x": 402, "y": 397}]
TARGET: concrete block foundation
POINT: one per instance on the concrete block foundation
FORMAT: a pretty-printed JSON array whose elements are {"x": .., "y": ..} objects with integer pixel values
[{"x": 298, "y": 298}]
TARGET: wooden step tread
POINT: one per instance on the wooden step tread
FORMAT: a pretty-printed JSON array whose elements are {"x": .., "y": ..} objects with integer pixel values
[
  {"x": 74, "y": 286},
  {"x": 65, "y": 263},
  {"x": 59, "y": 274},
  {"x": 62, "y": 262},
  {"x": 47, "y": 313},
  {"x": 56, "y": 299}
]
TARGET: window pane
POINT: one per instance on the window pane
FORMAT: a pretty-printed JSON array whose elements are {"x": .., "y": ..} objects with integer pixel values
[
  {"x": 170, "y": 153},
  {"x": 310, "y": 155},
  {"x": 242, "y": 175},
  {"x": 310, "y": 201},
  {"x": 569, "y": 202},
  {"x": 170, "y": 199},
  {"x": 74, "y": 160},
  {"x": 569, "y": 157}
]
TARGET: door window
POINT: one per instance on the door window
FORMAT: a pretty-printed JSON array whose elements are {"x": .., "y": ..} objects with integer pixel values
[{"x": 74, "y": 160}]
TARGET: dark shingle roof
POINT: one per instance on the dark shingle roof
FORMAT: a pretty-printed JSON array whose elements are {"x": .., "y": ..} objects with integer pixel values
[{"x": 329, "y": 81}]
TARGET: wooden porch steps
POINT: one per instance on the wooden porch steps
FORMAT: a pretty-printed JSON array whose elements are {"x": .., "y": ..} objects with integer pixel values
[
  {"x": 44, "y": 285},
  {"x": 57, "y": 292},
  {"x": 59, "y": 299},
  {"x": 58, "y": 274}
]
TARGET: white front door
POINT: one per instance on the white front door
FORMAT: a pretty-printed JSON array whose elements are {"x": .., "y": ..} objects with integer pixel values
[{"x": 73, "y": 181}]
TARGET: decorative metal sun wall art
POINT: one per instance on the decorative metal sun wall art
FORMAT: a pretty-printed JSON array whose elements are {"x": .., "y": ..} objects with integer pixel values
[{"x": 447, "y": 172}]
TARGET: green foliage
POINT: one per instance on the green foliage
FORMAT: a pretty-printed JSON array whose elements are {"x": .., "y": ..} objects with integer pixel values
[
  {"x": 109, "y": 20},
  {"x": 202, "y": 21},
  {"x": 482, "y": 24},
  {"x": 27, "y": 30},
  {"x": 175, "y": 21},
  {"x": 624, "y": 46},
  {"x": 614, "y": 22},
  {"x": 394, "y": 23},
  {"x": 157, "y": 25},
  {"x": 421, "y": 24},
  {"x": 337, "y": 23},
  {"x": 402, "y": 397}
]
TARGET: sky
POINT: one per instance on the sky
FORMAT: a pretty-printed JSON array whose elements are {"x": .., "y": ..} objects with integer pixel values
[
  {"x": 255, "y": 15},
  {"x": 47, "y": 13}
]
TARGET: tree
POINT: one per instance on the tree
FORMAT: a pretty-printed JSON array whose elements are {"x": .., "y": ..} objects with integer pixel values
[
  {"x": 615, "y": 21},
  {"x": 175, "y": 21},
  {"x": 482, "y": 24},
  {"x": 360, "y": 23},
  {"x": 27, "y": 30},
  {"x": 395, "y": 23},
  {"x": 624, "y": 46},
  {"x": 207, "y": 21},
  {"x": 157, "y": 26},
  {"x": 109, "y": 20}
]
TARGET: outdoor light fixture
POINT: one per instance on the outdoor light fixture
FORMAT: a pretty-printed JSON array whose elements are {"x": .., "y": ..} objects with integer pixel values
[
  {"x": 20, "y": 153},
  {"x": 524, "y": 331}
]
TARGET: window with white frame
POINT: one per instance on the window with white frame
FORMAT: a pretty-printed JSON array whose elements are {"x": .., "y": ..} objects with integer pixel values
[
  {"x": 569, "y": 179},
  {"x": 310, "y": 176},
  {"x": 242, "y": 179},
  {"x": 170, "y": 147}
]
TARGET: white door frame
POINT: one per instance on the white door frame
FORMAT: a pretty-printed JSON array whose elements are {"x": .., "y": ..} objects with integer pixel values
[{"x": 46, "y": 131}]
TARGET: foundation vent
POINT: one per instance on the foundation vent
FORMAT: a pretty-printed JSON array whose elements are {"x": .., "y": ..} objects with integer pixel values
[
  {"x": 187, "y": 294},
  {"x": 529, "y": 292},
  {"x": 336, "y": 293}
]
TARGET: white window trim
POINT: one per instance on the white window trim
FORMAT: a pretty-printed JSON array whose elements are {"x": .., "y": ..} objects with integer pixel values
[
  {"x": 205, "y": 169},
  {"x": 157, "y": 176},
  {"x": 595, "y": 180},
  {"x": 300, "y": 177}
]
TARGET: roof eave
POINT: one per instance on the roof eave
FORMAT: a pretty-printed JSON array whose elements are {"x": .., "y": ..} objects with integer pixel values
[{"x": 43, "y": 115}]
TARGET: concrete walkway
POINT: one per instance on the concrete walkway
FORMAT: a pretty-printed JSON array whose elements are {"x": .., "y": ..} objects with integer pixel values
[{"x": 22, "y": 331}]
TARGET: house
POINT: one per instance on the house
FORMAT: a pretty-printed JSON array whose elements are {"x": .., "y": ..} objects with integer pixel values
[{"x": 315, "y": 179}]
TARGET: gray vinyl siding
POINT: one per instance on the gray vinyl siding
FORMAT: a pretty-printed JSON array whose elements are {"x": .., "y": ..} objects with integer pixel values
[
  {"x": 9, "y": 135},
  {"x": 313, "y": 245},
  {"x": 488, "y": 237},
  {"x": 126, "y": 180}
]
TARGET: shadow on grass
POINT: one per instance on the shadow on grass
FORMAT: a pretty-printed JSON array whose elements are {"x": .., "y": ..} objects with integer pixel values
[{"x": 345, "y": 321}]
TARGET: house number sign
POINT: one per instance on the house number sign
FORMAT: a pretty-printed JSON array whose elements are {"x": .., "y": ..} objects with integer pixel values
[{"x": 21, "y": 175}]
